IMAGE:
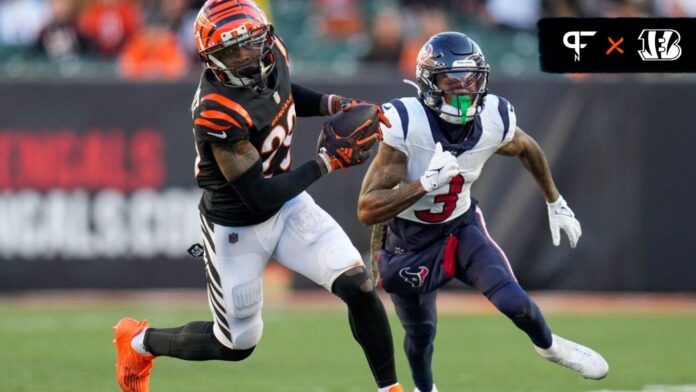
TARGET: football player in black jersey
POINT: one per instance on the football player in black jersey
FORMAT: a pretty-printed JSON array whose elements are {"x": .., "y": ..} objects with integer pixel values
[{"x": 254, "y": 207}]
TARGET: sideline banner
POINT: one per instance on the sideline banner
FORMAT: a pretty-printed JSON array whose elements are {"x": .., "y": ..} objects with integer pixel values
[{"x": 97, "y": 186}]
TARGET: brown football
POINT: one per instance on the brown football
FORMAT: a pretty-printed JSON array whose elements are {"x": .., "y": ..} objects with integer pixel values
[{"x": 344, "y": 123}]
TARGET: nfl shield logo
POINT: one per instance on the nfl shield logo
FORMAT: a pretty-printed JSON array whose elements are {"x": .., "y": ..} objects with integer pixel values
[
  {"x": 276, "y": 97},
  {"x": 233, "y": 238}
]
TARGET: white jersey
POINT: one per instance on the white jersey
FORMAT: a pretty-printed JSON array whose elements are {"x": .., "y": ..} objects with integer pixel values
[{"x": 415, "y": 132}]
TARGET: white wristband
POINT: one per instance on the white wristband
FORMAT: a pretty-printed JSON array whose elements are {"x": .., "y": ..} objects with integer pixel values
[
  {"x": 329, "y": 104},
  {"x": 325, "y": 158}
]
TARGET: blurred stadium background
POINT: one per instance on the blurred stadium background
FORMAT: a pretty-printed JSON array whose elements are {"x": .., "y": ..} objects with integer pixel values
[{"x": 98, "y": 201}]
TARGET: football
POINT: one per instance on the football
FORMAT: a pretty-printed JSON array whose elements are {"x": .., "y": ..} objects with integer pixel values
[{"x": 360, "y": 117}]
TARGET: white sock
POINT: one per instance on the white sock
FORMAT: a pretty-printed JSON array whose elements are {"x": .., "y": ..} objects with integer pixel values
[
  {"x": 386, "y": 389},
  {"x": 138, "y": 343}
]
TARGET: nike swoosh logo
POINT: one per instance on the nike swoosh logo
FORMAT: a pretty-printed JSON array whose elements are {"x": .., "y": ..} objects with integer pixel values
[
  {"x": 222, "y": 135},
  {"x": 563, "y": 212},
  {"x": 387, "y": 106}
]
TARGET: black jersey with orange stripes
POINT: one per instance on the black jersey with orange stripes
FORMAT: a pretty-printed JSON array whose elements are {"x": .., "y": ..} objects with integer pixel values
[{"x": 224, "y": 114}]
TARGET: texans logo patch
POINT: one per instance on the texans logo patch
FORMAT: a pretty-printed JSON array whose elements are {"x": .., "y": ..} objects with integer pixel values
[
  {"x": 425, "y": 53},
  {"x": 415, "y": 279}
]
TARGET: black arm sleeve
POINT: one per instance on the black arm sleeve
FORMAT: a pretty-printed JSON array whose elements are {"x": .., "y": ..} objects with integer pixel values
[
  {"x": 262, "y": 194},
  {"x": 307, "y": 102}
]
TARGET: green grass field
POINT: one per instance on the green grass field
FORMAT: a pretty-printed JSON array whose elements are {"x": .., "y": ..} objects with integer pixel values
[{"x": 70, "y": 349}]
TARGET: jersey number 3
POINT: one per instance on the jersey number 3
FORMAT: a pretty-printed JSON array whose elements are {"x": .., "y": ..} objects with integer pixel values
[{"x": 449, "y": 199}]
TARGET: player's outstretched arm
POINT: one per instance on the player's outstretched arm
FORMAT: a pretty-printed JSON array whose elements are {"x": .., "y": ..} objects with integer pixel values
[
  {"x": 241, "y": 165},
  {"x": 561, "y": 217},
  {"x": 533, "y": 158},
  {"x": 379, "y": 199},
  {"x": 310, "y": 103}
]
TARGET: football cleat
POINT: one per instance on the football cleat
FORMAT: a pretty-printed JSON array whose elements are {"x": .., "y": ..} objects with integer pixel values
[
  {"x": 132, "y": 368},
  {"x": 574, "y": 356},
  {"x": 433, "y": 389},
  {"x": 396, "y": 388}
]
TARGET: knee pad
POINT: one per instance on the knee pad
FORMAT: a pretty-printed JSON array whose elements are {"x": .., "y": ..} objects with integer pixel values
[
  {"x": 353, "y": 284},
  {"x": 246, "y": 325},
  {"x": 247, "y": 299},
  {"x": 420, "y": 335},
  {"x": 246, "y": 334},
  {"x": 492, "y": 279},
  {"x": 513, "y": 301}
]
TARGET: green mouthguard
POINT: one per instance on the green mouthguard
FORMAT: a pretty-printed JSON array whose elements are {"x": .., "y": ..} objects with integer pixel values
[{"x": 461, "y": 102}]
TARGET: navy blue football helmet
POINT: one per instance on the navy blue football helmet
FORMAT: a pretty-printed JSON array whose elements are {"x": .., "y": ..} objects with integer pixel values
[{"x": 452, "y": 76}]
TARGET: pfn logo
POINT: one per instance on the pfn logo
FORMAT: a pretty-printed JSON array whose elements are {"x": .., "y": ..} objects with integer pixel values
[
  {"x": 575, "y": 44},
  {"x": 660, "y": 45}
]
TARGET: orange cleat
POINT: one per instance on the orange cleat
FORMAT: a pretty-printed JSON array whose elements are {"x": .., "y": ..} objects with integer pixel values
[
  {"x": 396, "y": 388},
  {"x": 132, "y": 368}
]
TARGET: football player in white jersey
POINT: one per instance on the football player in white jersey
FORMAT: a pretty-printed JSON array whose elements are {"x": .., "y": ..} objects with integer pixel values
[{"x": 419, "y": 184}]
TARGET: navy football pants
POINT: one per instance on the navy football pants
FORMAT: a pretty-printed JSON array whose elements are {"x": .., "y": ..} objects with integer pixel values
[{"x": 482, "y": 265}]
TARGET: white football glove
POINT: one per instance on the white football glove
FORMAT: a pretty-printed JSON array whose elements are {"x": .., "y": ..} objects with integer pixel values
[
  {"x": 442, "y": 167},
  {"x": 561, "y": 217}
]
